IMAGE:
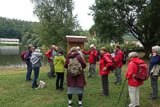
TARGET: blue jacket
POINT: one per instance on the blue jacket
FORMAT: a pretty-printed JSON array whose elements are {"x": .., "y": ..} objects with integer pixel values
[
  {"x": 28, "y": 56},
  {"x": 154, "y": 60}
]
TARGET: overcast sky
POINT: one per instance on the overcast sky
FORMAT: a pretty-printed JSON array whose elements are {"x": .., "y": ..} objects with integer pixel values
[{"x": 23, "y": 9}]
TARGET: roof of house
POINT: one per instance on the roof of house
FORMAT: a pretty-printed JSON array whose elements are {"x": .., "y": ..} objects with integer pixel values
[{"x": 70, "y": 38}]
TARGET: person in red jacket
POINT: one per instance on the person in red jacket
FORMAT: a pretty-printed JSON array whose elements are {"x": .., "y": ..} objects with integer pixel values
[
  {"x": 92, "y": 60},
  {"x": 133, "y": 84},
  {"x": 104, "y": 64},
  {"x": 50, "y": 54},
  {"x": 118, "y": 60}
]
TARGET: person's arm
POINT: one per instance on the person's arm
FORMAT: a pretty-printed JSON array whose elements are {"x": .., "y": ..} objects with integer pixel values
[
  {"x": 130, "y": 70},
  {"x": 27, "y": 56},
  {"x": 82, "y": 61},
  {"x": 86, "y": 52},
  {"x": 66, "y": 62},
  {"x": 108, "y": 60},
  {"x": 95, "y": 53},
  {"x": 48, "y": 54}
]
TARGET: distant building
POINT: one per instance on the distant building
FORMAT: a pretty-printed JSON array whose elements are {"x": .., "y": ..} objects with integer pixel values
[
  {"x": 134, "y": 42},
  {"x": 9, "y": 41}
]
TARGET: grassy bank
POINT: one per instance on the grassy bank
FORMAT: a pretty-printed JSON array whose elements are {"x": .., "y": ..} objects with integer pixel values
[{"x": 15, "y": 92}]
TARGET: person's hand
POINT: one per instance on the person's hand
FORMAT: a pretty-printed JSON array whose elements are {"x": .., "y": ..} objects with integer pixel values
[
  {"x": 51, "y": 58},
  {"x": 105, "y": 69}
]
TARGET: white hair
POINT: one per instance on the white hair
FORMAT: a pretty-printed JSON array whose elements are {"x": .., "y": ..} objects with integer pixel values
[
  {"x": 133, "y": 55},
  {"x": 73, "y": 49},
  {"x": 156, "y": 48},
  {"x": 37, "y": 50}
]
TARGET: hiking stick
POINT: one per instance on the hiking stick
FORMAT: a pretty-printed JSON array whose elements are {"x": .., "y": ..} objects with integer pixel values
[{"x": 121, "y": 92}]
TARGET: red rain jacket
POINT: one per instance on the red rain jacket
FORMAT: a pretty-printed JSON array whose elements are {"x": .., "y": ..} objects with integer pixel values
[
  {"x": 92, "y": 56},
  {"x": 133, "y": 68},
  {"x": 118, "y": 58},
  {"x": 102, "y": 64}
]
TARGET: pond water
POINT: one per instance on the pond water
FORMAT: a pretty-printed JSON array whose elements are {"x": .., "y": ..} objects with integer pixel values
[{"x": 10, "y": 56}]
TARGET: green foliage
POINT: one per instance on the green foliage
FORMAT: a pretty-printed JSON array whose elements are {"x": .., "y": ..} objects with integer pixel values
[
  {"x": 12, "y": 28},
  {"x": 56, "y": 20},
  {"x": 113, "y": 18}
]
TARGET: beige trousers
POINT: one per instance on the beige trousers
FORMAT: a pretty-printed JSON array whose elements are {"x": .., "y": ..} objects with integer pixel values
[{"x": 134, "y": 96}]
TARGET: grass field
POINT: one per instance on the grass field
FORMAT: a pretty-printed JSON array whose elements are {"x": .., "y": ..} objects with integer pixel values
[{"x": 15, "y": 92}]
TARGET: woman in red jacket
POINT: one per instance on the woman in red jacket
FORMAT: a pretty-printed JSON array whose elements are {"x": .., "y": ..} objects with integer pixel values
[
  {"x": 133, "y": 84},
  {"x": 104, "y": 64}
]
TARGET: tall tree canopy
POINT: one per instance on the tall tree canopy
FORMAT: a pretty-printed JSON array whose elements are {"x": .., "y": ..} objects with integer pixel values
[
  {"x": 113, "y": 18},
  {"x": 56, "y": 20}
]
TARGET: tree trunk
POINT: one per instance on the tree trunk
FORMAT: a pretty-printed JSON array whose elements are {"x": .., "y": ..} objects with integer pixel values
[{"x": 147, "y": 50}]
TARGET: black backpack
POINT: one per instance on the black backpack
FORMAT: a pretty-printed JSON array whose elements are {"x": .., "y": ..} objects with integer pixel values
[{"x": 124, "y": 59}]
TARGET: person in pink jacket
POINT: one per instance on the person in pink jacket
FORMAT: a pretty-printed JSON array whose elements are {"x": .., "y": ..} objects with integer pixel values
[
  {"x": 118, "y": 60},
  {"x": 133, "y": 84},
  {"x": 104, "y": 64}
]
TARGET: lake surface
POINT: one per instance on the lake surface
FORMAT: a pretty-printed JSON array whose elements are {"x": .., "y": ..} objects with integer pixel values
[{"x": 10, "y": 56}]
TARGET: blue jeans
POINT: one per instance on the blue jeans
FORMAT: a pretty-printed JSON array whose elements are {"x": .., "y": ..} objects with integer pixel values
[
  {"x": 36, "y": 74},
  {"x": 29, "y": 72}
]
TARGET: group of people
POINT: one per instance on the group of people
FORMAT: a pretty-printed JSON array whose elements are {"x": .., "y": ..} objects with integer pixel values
[{"x": 75, "y": 63}]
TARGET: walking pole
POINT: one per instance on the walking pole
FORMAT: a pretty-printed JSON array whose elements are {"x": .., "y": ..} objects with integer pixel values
[{"x": 121, "y": 92}]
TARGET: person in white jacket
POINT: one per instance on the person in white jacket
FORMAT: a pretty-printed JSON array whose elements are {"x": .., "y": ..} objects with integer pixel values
[{"x": 36, "y": 64}]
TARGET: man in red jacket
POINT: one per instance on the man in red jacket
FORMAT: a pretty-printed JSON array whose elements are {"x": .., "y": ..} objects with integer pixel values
[
  {"x": 104, "y": 63},
  {"x": 92, "y": 60},
  {"x": 133, "y": 84},
  {"x": 50, "y": 54},
  {"x": 119, "y": 63}
]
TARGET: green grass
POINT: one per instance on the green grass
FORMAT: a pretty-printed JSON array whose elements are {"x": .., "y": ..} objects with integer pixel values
[{"x": 15, "y": 92}]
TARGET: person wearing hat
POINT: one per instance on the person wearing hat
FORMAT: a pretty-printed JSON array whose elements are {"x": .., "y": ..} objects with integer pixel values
[
  {"x": 92, "y": 60},
  {"x": 36, "y": 64},
  {"x": 155, "y": 59},
  {"x": 77, "y": 83},
  {"x": 118, "y": 58},
  {"x": 104, "y": 63},
  {"x": 50, "y": 54}
]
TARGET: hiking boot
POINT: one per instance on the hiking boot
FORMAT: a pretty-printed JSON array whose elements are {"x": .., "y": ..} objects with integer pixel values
[
  {"x": 61, "y": 89},
  {"x": 102, "y": 94},
  {"x": 152, "y": 98},
  {"x": 118, "y": 83}
]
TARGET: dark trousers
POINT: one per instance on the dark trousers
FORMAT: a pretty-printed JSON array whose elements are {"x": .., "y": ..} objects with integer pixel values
[
  {"x": 59, "y": 81},
  {"x": 36, "y": 74},
  {"x": 29, "y": 72},
  {"x": 52, "y": 71},
  {"x": 154, "y": 84},
  {"x": 105, "y": 85}
]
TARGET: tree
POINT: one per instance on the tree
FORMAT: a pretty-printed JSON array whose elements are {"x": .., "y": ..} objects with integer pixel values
[
  {"x": 138, "y": 17},
  {"x": 56, "y": 20}
]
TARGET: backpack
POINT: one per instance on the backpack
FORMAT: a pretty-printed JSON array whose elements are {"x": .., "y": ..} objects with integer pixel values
[
  {"x": 124, "y": 59},
  {"x": 23, "y": 56},
  {"x": 113, "y": 67},
  {"x": 74, "y": 67},
  {"x": 142, "y": 74},
  {"x": 99, "y": 55}
]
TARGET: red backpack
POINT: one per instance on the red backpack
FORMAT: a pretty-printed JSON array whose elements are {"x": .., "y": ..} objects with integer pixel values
[
  {"x": 142, "y": 73},
  {"x": 23, "y": 56}
]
